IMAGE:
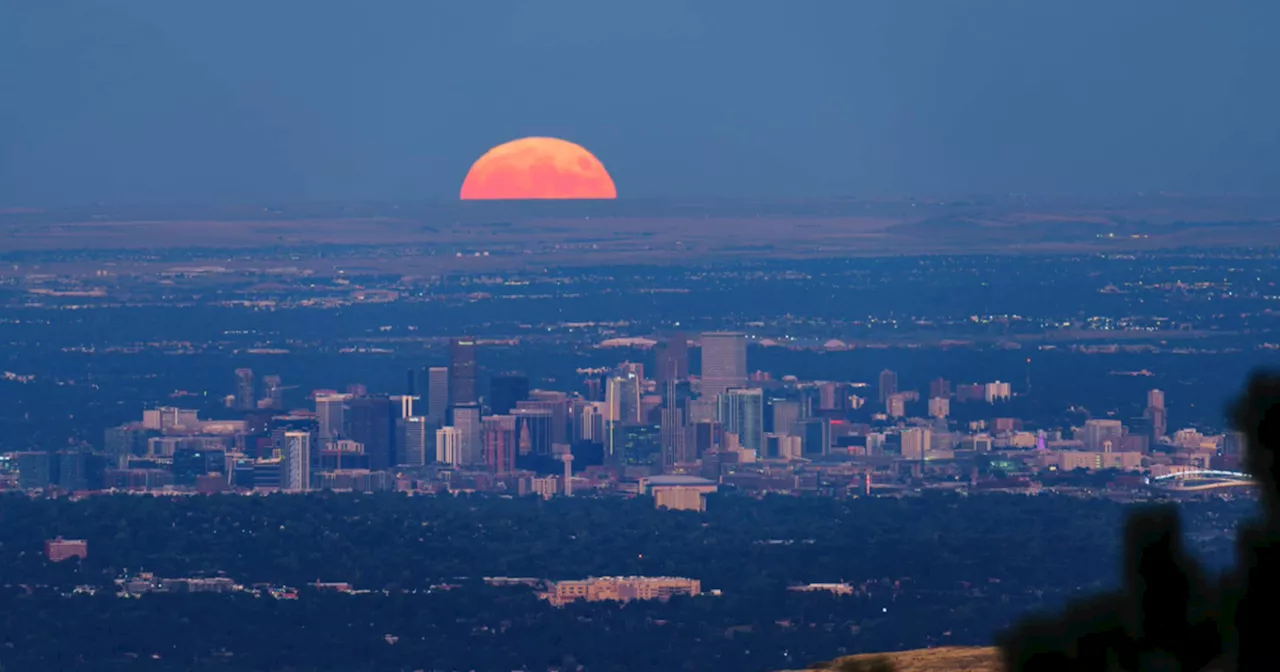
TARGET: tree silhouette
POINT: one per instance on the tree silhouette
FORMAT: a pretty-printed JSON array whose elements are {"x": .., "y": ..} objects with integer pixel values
[{"x": 1169, "y": 615}]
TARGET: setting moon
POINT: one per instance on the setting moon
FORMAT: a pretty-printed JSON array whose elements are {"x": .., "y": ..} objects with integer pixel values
[{"x": 538, "y": 168}]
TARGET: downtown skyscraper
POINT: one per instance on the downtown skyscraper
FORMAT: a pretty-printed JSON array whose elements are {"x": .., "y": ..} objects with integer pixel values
[
  {"x": 724, "y": 362},
  {"x": 462, "y": 372}
]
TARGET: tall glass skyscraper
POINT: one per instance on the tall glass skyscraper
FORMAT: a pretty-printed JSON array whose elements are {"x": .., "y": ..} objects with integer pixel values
[{"x": 742, "y": 412}]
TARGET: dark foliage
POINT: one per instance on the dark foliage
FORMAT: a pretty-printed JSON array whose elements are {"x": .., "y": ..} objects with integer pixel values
[{"x": 1169, "y": 614}]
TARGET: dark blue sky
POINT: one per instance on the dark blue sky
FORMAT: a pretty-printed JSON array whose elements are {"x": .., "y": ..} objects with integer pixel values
[{"x": 162, "y": 101}]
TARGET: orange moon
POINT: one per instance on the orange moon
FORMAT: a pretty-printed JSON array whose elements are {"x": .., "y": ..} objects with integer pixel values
[{"x": 538, "y": 168}]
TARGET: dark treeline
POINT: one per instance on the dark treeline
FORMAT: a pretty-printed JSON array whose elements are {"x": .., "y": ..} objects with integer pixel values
[
  {"x": 395, "y": 541},
  {"x": 966, "y": 568}
]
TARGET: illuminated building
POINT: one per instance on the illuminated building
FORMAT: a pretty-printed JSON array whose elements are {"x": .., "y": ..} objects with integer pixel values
[{"x": 620, "y": 589}]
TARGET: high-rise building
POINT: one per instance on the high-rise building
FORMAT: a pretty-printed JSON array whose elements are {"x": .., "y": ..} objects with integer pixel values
[
  {"x": 462, "y": 372},
  {"x": 593, "y": 388},
  {"x": 970, "y": 392},
  {"x": 622, "y": 399},
  {"x": 245, "y": 397},
  {"x": 939, "y": 388},
  {"x": 1157, "y": 414},
  {"x": 296, "y": 474},
  {"x": 555, "y": 403},
  {"x": 915, "y": 443},
  {"x": 438, "y": 394},
  {"x": 500, "y": 443},
  {"x": 786, "y": 413},
  {"x": 449, "y": 446},
  {"x": 832, "y": 396},
  {"x": 706, "y": 436},
  {"x": 417, "y": 382},
  {"x": 404, "y": 405},
  {"x": 416, "y": 444},
  {"x": 1155, "y": 399},
  {"x": 372, "y": 422},
  {"x": 672, "y": 359},
  {"x": 742, "y": 412},
  {"x": 672, "y": 429},
  {"x": 467, "y": 420},
  {"x": 939, "y": 407},
  {"x": 1102, "y": 436},
  {"x": 888, "y": 385},
  {"x": 506, "y": 391},
  {"x": 998, "y": 391},
  {"x": 815, "y": 436},
  {"x": 724, "y": 362},
  {"x": 590, "y": 422},
  {"x": 533, "y": 431},
  {"x": 273, "y": 391},
  {"x": 331, "y": 416},
  {"x": 896, "y": 405}
]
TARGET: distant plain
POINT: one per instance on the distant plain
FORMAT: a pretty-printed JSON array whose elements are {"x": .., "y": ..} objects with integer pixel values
[{"x": 485, "y": 237}]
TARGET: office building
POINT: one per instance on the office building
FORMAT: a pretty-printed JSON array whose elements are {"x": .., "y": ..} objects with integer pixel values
[
  {"x": 296, "y": 472},
  {"x": 620, "y": 589},
  {"x": 888, "y": 385},
  {"x": 916, "y": 442},
  {"x": 331, "y": 416},
  {"x": 499, "y": 437},
  {"x": 589, "y": 422},
  {"x": 417, "y": 440},
  {"x": 672, "y": 359},
  {"x": 742, "y": 413},
  {"x": 462, "y": 372},
  {"x": 784, "y": 447},
  {"x": 1157, "y": 415},
  {"x": 533, "y": 431},
  {"x": 59, "y": 549},
  {"x": 555, "y": 403},
  {"x": 437, "y": 394},
  {"x": 939, "y": 388},
  {"x": 467, "y": 420},
  {"x": 1102, "y": 436},
  {"x": 724, "y": 363},
  {"x": 245, "y": 396},
  {"x": 506, "y": 391},
  {"x": 622, "y": 399},
  {"x": 673, "y": 438},
  {"x": 833, "y": 396},
  {"x": 785, "y": 413},
  {"x": 419, "y": 382},
  {"x": 896, "y": 405},
  {"x": 273, "y": 392},
  {"x": 372, "y": 422},
  {"x": 998, "y": 391},
  {"x": 449, "y": 446},
  {"x": 404, "y": 405},
  {"x": 939, "y": 407},
  {"x": 706, "y": 437},
  {"x": 815, "y": 436},
  {"x": 680, "y": 498}
]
